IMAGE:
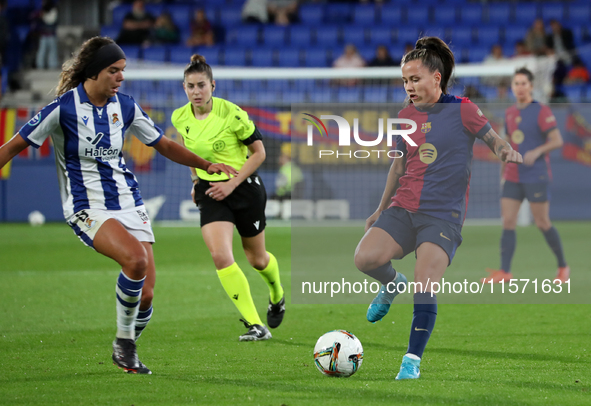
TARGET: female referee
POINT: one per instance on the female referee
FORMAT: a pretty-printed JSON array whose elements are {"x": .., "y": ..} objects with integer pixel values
[
  {"x": 220, "y": 130},
  {"x": 531, "y": 128},
  {"x": 424, "y": 202},
  {"x": 100, "y": 196}
]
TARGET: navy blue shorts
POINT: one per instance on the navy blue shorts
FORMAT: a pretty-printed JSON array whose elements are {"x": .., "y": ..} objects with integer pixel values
[
  {"x": 410, "y": 230},
  {"x": 534, "y": 192}
]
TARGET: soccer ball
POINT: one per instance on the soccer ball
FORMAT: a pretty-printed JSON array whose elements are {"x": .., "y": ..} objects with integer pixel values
[
  {"x": 36, "y": 218},
  {"x": 338, "y": 353}
]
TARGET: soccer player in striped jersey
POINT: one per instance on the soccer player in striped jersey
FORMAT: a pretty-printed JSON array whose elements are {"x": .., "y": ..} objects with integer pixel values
[
  {"x": 531, "y": 129},
  {"x": 100, "y": 197},
  {"x": 218, "y": 129},
  {"x": 424, "y": 202}
]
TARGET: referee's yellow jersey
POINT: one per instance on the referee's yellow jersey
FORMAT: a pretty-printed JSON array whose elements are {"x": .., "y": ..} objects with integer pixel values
[{"x": 218, "y": 138}]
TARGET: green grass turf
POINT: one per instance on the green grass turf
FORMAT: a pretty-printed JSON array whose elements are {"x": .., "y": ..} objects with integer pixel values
[{"x": 57, "y": 320}]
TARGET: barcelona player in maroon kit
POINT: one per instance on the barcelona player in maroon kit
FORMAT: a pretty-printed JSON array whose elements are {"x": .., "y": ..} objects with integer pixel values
[
  {"x": 424, "y": 201},
  {"x": 531, "y": 128}
]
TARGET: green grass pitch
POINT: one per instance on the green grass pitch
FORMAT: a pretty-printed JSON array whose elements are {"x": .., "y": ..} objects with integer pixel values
[{"x": 57, "y": 321}]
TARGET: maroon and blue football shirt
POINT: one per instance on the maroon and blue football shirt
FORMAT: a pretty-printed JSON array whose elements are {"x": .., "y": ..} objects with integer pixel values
[
  {"x": 527, "y": 129},
  {"x": 437, "y": 178}
]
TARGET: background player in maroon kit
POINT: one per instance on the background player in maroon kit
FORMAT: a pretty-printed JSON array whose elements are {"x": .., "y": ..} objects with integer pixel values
[
  {"x": 531, "y": 128},
  {"x": 424, "y": 201}
]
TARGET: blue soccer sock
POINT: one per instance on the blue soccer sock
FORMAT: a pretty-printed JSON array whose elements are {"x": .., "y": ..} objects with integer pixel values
[
  {"x": 129, "y": 292},
  {"x": 385, "y": 273},
  {"x": 423, "y": 321},
  {"x": 553, "y": 240},
  {"x": 508, "y": 243},
  {"x": 142, "y": 320}
]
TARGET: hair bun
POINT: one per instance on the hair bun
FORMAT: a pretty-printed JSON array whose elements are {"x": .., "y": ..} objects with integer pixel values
[{"x": 196, "y": 58}]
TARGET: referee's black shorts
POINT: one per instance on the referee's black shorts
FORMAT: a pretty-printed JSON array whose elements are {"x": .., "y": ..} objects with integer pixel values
[{"x": 245, "y": 206}]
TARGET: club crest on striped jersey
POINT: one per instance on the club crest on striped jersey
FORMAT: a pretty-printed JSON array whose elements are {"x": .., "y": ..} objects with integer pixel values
[
  {"x": 115, "y": 120},
  {"x": 35, "y": 120},
  {"x": 426, "y": 127}
]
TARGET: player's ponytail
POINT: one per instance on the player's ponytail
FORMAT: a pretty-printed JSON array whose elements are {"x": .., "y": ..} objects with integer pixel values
[
  {"x": 198, "y": 65},
  {"x": 435, "y": 55}
]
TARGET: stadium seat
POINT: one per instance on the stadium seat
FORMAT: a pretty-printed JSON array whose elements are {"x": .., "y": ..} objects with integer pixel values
[
  {"x": 471, "y": 14},
  {"x": 181, "y": 54},
  {"x": 211, "y": 54},
  {"x": 574, "y": 93},
  {"x": 110, "y": 31},
  {"x": 263, "y": 57},
  {"x": 407, "y": 35},
  {"x": 181, "y": 15},
  {"x": 499, "y": 13},
  {"x": 234, "y": 57},
  {"x": 364, "y": 15},
  {"x": 321, "y": 95},
  {"x": 157, "y": 53},
  {"x": 246, "y": 35},
  {"x": 230, "y": 16},
  {"x": 119, "y": 14},
  {"x": 240, "y": 97},
  {"x": 268, "y": 97},
  {"x": 396, "y": 51},
  {"x": 417, "y": 15},
  {"x": 316, "y": 57},
  {"x": 445, "y": 14},
  {"x": 300, "y": 35},
  {"x": 579, "y": 13},
  {"x": 380, "y": 35},
  {"x": 274, "y": 35},
  {"x": 367, "y": 53},
  {"x": 349, "y": 95},
  {"x": 312, "y": 14},
  {"x": 327, "y": 35},
  {"x": 475, "y": 54},
  {"x": 338, "y": 13},
  {"x": 433, "y": 31},
  {"x": 488, "y": 35},
  {"x": 525, "y": 13},
  {"x": 375, "y": 94},
  {"x": 294, "y": 96},
  {"x": 392, "y": 15},
  {"x": 131, "y": 51},
  {"x": 354, "y": 35},
  {"x": 289, "y": 57},
  {"x": 515, "y": 33},
  {"x": 552, "y": 10},
  {"x": 212, "y": 15},
  {"x": 461, "y": 36}
]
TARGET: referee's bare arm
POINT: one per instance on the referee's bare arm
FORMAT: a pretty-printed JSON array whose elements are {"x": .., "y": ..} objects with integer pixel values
[{"x": 501, "y": 148}]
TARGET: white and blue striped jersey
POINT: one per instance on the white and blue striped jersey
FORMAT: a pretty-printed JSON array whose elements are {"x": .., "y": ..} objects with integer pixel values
[{"x": 88, "y": 144}]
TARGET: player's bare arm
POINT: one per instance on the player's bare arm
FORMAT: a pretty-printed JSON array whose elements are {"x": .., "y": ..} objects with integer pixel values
[
  {"x": 501, "y": 148},
  {"x": 11, "y": 149},
  {"x": 554, "y": 141},
  {"x": 397, "y": 170}
]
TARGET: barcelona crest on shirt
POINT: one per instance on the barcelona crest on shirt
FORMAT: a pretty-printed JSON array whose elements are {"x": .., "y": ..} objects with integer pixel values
[{"x": 426, "y": 127}]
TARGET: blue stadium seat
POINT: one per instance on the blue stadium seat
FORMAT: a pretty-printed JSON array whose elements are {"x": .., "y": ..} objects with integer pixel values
[
  {"x": 156, "y": 53},
  {"x": 274, "y": 35},
  {"x": 289, "y": 57},
  {"x": 364, "y": 15},
  {"x": 154, "y": 9},
  {"x": 268, "y": 97},
  {"x": 417, "y": 15},
  {"x": 180, "y": 54},
  {"x": 131, "y": 51},
  {"x": 525, "y": 13},
  {"x": 392, "y": 14},
  {"x": 294, "y": 96},
  {"x": 253, "y": 85},
  {"x": 240, "y": 97},
  {"x": 181, "y": 15},
  {"x": 499, "y": 13},
  {"x": 211, "y": 54},
  {"x": 515, "y": 33},
  {"x": 354, "y": 35},
  {"x": 247, "y": 35},
  {"x": 119, "y": 14},
  {"x": 579, "y": 13},
  {"x": 321, "y": 95},
  {"x": 327, "y": 35},
  {"x": 110, "y": 31},
  {"x": 312, "y": 14},
  {"x": 445, "y": 14},
  {"x": 230, "y": 16},
  {"x": 300, "y": 35},
  {"x": 488, "y": 35},
  {"x": 234, "y": 57},
  {"x": 316, "y": 57},
  {"x": 574, "y": 93},
  {"x": 396, "y": 51},
  {"x": 461, "y": 36},
  {"x": 407, "y": 35},
  {"x": 552, "y": 10},
  {"x": 338, "y": 13},
  {"x": 434, "y": 31},
  {"x": 508, "y": 49},
  {"x": 212, "y": 15},
  {"x": 475, "y": 54},
  {"x": 367, "y": 53},
  {"x": 263, "y": 57},
  {"x": 398, "y": 95},
  {"x": 471, "y": 14},
  {"x": 375, "y": 94},
  {"x": 349, "y": 95},
  {"x": 380, "y": 35}
]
